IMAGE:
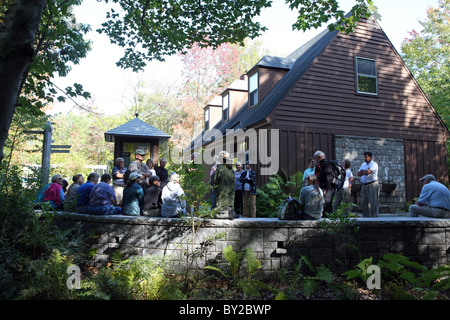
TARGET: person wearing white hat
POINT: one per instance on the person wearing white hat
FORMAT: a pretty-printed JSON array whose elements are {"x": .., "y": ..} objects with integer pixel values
[
  {"x": 434, "y": 200},
  {"x": 173, "y": 203}
]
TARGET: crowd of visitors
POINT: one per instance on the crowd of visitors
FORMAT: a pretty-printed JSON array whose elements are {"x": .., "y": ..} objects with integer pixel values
[
  {"x": 141, "y": 189},
  {"x": 136, "y": 190}
]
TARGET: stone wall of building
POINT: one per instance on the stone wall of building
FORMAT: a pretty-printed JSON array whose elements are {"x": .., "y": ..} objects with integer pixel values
[
  {"x": 277, "y": 244},
  {"x": 388, "y": 154}
]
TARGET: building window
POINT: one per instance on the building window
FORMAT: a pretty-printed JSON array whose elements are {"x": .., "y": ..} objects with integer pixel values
[
  {"x": 225, "y": 109},
  {"x": 366, "y": 76},
  {"x": 253, "y": 89},
  {"x": 207, "y": 119}
]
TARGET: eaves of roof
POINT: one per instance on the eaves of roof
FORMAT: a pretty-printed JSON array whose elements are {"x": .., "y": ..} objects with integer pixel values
[{"x": 135, "y": 128}]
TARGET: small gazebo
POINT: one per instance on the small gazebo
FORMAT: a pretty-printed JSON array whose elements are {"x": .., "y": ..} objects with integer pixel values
[{"x": 136, "y": 134}]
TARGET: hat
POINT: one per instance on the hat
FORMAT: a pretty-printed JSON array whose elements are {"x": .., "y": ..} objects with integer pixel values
[
  {"x": 134, "y": 176},
  {"x": 428, "y": 177},
  {"x": 223, "y": 154},
  {"x": 140, "y": 151}
]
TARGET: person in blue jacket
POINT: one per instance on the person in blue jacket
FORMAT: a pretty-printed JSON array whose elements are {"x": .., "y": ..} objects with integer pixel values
[
  {"x": 84, "y": 191},
  {"x": 133, "y": 196},
  {"x": 434, "y": 199}
]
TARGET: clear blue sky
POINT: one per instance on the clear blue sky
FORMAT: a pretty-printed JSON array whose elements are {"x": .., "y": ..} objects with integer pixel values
[{"x": 112, "y": 88}]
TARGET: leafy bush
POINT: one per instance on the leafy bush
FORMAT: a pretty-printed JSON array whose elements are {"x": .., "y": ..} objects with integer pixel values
[
  {"x": 30, "y": 242},
  {"x": 403, "y": 279},
  {"x": 305, "y": 276},
  {"x": 270, "y": 196},
  {"x": 233, "y": 267},
  {"x": 142, "y": 278}
]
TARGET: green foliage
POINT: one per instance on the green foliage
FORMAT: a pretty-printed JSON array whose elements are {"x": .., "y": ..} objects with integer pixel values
[
  {"x": 160, "y": 28},
  {"x": 32, "y": 248},
  {"x": 192, "y": 179},
  {"x": 339, "y": 220},
  {"x": 235, "y": 262},
  {"x": 427, "y": 55},
  {"x": 47, "y": 278},
  {"x": 306, "y": 276},
  {"x": 403, "y": 279},
  {"x": 59, "y": 43},
  {"x": 312, "y": 14},
  {"x": 142, "y": 278},
  {"x": 270, "y": 196}
]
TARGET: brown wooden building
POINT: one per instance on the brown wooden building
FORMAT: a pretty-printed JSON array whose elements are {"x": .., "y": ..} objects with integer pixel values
[{"x": 342, "y": 94}]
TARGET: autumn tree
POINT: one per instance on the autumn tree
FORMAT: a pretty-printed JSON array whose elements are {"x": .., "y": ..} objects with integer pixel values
[{"x": 206, "y": 73}]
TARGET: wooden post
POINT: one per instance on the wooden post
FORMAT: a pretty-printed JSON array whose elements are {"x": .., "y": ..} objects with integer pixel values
[{"x": 46, "y": 150}]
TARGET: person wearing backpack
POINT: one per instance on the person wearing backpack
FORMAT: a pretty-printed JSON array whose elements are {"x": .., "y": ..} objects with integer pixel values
[
  {"x": 325, "y": 176},
  {"x": 345, "y": 193}
]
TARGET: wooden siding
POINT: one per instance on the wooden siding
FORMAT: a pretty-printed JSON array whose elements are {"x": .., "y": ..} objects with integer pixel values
[
  {"x": 297, "y": 147},
  {"x": 236, "y": 99},
  {"x": 423, "y": 157},
  {"x": 326, "y": 96},
  {"x": 325, "y": 101},
  {"x": 268, "y": 78}
]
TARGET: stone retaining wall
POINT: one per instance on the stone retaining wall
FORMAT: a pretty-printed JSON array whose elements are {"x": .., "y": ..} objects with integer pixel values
[{"x": 277, "y": 244}]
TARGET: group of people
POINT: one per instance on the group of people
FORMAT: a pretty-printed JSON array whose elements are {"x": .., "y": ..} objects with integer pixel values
[
  {"x": 141, "y": 189},
  {"x": 233, "y": 190},
  {"x": 319, "y": 195},
  {"x": 136, "y": 190}
]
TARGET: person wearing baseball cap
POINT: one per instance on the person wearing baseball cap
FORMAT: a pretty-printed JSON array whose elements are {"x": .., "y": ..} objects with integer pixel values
[
  {"x": 133, "y": 196},
  {"x": 139, "y": 166},
  {"x": 434, "y": 199}
]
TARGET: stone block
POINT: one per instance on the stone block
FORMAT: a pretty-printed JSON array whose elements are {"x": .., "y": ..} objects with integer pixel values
[
  {"x": 275, "y": 235},
  {"x": 433, "y": 236}
]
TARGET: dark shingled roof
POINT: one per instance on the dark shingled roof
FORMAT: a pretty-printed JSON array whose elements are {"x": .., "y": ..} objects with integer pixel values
[
  {"x": 298, "y": 62},
  {"x": 275, "y": 62},
  {"x": 136, "y": 128}
]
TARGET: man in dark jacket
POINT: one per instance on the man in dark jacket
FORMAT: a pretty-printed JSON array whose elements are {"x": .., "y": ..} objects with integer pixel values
[
  {"x": 224, "y": 180},
  {"x": 248, "y": 180},
  {"x": 152, "y": 198},
  {"x": 325, "y": 175}
]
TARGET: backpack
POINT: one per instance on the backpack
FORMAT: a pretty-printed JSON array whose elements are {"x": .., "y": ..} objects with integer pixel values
[
  {"x": 289, "y": 209},
  {"x": 338, "y": 174}
]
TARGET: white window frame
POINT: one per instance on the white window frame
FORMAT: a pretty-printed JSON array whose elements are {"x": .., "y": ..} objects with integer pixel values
[
  {"x": 206, "y": 115},
  {"x": 226, "y": 107},
  {"x": 254, "y": 77},
  {"x": 366, "y": 75}
]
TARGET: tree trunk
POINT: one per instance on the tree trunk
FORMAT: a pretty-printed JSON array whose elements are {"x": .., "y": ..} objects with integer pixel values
[{"x": 17, "y": 33}]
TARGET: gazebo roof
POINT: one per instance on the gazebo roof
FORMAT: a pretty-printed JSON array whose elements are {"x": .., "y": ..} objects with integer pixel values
[{"x": 136, "y": 128}]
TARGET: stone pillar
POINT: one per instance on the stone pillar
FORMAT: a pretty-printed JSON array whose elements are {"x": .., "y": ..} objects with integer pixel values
[{"x": 389, "y": 154}]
